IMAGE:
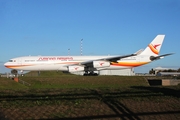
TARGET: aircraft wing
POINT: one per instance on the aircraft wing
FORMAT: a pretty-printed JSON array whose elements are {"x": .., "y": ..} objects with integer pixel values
[
  {"x": 111, "y": 59},
  {"x": 160, "y": 56},
  {"x": 116, "y": 58}
]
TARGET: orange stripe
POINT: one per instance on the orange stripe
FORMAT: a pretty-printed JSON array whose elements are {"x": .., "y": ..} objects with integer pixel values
[
  {"x": 155, "y": 51},
  {"x": 16, "y": 66},
  {"x": 128, "y": 64}
]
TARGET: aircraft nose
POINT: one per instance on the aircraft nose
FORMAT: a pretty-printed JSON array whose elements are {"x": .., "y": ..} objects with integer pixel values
[{"x": 6, "y": 64}]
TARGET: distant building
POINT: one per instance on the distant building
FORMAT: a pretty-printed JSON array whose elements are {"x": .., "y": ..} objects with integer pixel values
[
  {"x": 160, "y": 69},
  {"x": 125, "y": 72},
  {"x": 8, "y": 75},
  {"x": 168, "y": 74}
]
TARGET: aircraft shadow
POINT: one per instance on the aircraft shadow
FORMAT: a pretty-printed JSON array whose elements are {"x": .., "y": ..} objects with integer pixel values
[{"x": 165, "y": 90}]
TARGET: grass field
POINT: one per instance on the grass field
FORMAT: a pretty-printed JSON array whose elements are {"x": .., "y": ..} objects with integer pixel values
[{"x": 54, "y": 95}]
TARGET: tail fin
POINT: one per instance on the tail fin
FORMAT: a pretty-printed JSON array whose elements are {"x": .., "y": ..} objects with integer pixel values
[{"x": 154, "y": 47}]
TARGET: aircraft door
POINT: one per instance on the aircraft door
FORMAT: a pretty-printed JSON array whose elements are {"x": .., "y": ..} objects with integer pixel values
[{"x": 19, "y": 61}]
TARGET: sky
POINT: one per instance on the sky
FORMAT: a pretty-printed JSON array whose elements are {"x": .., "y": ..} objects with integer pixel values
[{"x": 107, "y": 27}]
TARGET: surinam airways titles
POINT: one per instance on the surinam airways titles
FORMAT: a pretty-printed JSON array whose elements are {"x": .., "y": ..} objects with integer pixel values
[{"x": 54, "y": 58}]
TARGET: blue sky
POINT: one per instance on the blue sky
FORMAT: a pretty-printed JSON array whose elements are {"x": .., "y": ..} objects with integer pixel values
[{"x": 115, "y": 27}]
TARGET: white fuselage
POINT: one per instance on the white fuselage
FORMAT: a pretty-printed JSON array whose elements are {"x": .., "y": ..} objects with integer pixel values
[
  {"x": 88, "y": 64},
  {"x": 61, "y": 63}
]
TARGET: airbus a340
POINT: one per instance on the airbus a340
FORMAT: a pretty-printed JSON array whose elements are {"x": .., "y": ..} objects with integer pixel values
[{"x": 89, "y": 64}]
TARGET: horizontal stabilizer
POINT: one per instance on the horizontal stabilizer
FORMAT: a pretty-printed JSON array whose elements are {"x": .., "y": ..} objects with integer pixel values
[{"x": 160, "y": 56}]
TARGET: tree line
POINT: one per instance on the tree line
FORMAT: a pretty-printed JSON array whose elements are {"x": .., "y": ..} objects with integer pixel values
[{"x": 152, "y": 71}]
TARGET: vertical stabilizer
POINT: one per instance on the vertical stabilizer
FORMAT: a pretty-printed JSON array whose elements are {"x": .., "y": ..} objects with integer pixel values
[{"x": 154, "y": 47}]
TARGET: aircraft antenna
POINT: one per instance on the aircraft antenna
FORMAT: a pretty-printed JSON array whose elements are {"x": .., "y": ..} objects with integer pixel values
[{"x": 81, "y": 47}]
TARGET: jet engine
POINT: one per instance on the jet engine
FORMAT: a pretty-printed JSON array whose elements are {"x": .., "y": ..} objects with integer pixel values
[
  {"x": 99, "y": 64},
  {"x": 14, "y": 72},
  {"x": 75, "y": 68}
]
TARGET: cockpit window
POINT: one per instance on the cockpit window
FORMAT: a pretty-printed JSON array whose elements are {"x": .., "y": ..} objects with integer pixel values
[{"x": 10, "y": 60}]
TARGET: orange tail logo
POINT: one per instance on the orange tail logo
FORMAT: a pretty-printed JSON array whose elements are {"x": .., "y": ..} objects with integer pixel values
[{"x": 154, "y": 48}]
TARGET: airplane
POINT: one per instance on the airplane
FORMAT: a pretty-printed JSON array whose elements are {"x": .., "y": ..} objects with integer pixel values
[{"x": 89, "y": 64}]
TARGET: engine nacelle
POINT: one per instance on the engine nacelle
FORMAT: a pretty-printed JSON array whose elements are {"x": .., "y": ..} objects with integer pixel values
[
  {"x": 101, "y": 63},
  {"x": 75, "y": 68},
  {"x": 14, "y": 72}
]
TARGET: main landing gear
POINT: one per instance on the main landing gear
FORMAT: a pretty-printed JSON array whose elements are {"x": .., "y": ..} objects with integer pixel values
[{"x": 90, "y": 73}]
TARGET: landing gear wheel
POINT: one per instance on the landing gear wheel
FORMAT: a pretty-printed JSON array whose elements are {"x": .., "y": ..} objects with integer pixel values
[{"x": 91, "y": 73}]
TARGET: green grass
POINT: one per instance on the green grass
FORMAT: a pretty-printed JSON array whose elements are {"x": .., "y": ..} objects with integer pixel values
[
  {"x": 64, "y": 95},
  {"x": 47, "y": 74},
  {"x": 7, "y": 83},
  {"x": 84, "y": 81},
  {"x": 56, "y": 80}
]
